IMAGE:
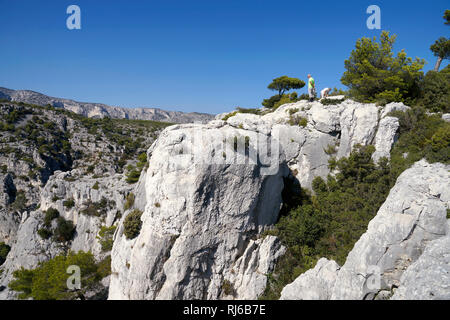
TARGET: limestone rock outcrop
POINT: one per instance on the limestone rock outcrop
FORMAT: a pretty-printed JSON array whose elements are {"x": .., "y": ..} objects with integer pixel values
[
  {"x": 200, "y": 215},
  {"x": 29, "y": 249},
  {"x": 429, "y": 276},
  {"x": 314, "y": 284},
  {"x": 409, "y": 233},
  {"x": 248, "y": 276},
  {"x": 211, "y": 189},
  {"x": 326, "y": 131},
  {"x": 386, "y": 136}
]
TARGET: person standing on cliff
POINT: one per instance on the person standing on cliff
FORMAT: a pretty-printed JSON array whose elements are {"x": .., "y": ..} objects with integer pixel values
[{"x": 311, "y": 88}]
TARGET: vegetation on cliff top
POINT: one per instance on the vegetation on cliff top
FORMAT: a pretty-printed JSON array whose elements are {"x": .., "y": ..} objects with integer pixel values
[{"x": 328, "y": 223}]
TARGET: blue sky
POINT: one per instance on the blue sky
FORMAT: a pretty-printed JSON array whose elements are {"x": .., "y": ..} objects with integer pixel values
[{"x": 198, "y": 55}]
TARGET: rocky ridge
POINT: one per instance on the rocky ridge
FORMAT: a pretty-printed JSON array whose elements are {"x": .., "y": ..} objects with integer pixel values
[
  {"x": 209, "y": 191},
  {"x": 198, "y": 241},
  {"x": 99, "y": 110},
  {"x": 85, "y": 181}
]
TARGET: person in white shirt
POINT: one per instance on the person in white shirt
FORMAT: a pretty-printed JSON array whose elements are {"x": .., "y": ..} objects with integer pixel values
[{"x": 325, "y": 92}]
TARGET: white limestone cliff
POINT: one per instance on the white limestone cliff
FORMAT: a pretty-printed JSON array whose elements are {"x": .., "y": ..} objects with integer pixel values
[
  {"x": 204, "y": 203},
  {"x": 408, "y": 235}
]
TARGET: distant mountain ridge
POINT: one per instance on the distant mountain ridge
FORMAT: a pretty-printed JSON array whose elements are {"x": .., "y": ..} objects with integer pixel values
[{"x": 99, "y": 110}]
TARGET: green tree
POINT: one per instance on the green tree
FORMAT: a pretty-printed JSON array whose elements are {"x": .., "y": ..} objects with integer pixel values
[
  {"x": 435, "y": 90},
  {"x": 285, "y": 83},
  {"x": 447, "y": 17},
  {"x": 49, "y": 280},
  {"x": 64, "y": 231},
  {"x": 441, "y": 49},
  {"x": 105, "y": 237},
  {"x": 373, "y": 74},
  {"x": 50, "y": 215},
  {"x": 132, "y": 224}
]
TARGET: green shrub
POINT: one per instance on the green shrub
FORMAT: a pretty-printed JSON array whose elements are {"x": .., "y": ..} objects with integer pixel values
[
  {"x": 95, "y": 186},
  {"x": 292, "y": 111},
  {"x": 49, "y": 280},
  {"x": 105, "y": 237},
  {"x": 134, "y": 173},
  {"x": 417, "y": 133},
  {"x": 97, "y": 209},
  {"x": 20, "y": 203},
  {"x": 331, "y": 149},
  {"x": 276, "y": 101},
  {"x": 438, "y": 147},
  {"x": 104, "y": 267},
  {"x": 228, "y": 288},
  {"x": 44, "y": 233},
  {"x": 142, "y": 161},
  {"x": 303, "y": 122},
  {"x": 129, "y": 201},
  {"x": 435, "y": 91},
  {"x": 295, "y": 120},
  {"x": 270, "y": 103},
  {"x": 327, "y": 102},
  {"x": 338, "y": 92},
  {"x": 64, "y": 231},
  {"x": 251, "y": 111},
  {"x": 132, "y": 224},
  {"x": 303, "y": 96},
  {"x": 229, "y": 115},
  {"x": 284, "y": 100},
  {"x": 69, "y": 203},
  {"x": 50, "y": 215},
  {"x": 4, "y": 250}
]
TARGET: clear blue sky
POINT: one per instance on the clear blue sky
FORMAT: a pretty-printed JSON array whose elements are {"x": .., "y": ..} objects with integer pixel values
[{"x": 197, "y": 55}]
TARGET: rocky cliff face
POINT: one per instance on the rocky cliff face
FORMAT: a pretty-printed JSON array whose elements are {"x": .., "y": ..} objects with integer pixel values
[
  {"x": 404, "y": 252},
  {"x": 206, "y": 199},
  {"x": 50, "y": 159},
  {"x": 194, "y": 227},
  {"x": 98, "y": 110},
  {"x": 207, "y": 194}
]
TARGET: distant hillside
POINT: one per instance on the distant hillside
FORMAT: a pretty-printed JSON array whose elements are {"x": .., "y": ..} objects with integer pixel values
[{"x": 99, "y": 110}]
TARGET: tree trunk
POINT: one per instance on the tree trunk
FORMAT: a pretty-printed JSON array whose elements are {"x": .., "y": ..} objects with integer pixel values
[{"x": 438, "y": 64}]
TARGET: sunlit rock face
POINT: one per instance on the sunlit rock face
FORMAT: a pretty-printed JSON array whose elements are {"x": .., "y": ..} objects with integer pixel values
[
  {"x": 405, "y": 252},
  {"x": 205, "y": 199}
]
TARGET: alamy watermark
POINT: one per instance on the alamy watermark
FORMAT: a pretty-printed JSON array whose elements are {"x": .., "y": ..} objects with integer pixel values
[
  {"x": 374, "y": 20},
  {"x": 74, "y": 281},
  {"x": 73, "y": 22}
]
